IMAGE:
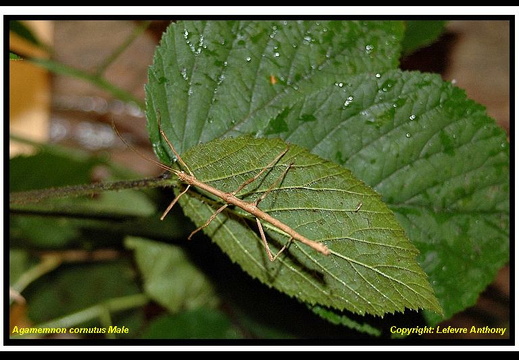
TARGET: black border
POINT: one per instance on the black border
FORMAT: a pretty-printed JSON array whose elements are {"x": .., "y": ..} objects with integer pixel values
[{"x": 302, "y": 344}]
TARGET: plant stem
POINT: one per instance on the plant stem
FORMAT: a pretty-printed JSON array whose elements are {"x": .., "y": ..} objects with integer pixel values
[
  {"x": 137, "y": 31},
  {"x": 32, "y": 196},
  {"x": 47, "y": 264}
]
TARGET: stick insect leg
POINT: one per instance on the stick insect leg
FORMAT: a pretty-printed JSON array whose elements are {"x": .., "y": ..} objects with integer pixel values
[
  {"x": 256, "y": 202},
  {"x": 260, "y": 227},
  {"x": 266, "y": 244},
  {"x": 274, "y": 184},
  {"x": 180, "y": 160},
  {"x": 248, "y": 181},
  {"x": 222, "y": 208},
  {"x": 170, "y": 206}
]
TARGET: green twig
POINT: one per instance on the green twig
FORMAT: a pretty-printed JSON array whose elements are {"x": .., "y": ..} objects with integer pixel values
[
  {"x": 137, "y": 31},
  {"x": 94, "y": 79},
  {"x": 47, "y": 264},
  {"x": 105, "y": 319},
  {"x": 97, "y": 311},
  {"x": 33, "y": 196},
  {"x": 112, "y": 305},
  {"x": 21, "y": 30}
]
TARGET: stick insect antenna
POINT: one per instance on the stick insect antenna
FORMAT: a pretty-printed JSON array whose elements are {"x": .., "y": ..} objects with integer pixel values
[{"x": 132, "y": 148}]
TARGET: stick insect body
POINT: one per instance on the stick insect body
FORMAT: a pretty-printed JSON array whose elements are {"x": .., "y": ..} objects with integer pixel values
[
  {"x": 230, "y": 199},
  {"x": 251, "y": 207}
]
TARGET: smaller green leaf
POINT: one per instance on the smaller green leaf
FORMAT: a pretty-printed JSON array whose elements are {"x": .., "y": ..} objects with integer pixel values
[
  {"x": 169, "y": 276},
  {"x": 372, "y": 267}
]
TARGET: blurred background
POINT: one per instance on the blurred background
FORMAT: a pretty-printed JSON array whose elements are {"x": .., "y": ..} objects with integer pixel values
[{"x": 47, "y": 107}]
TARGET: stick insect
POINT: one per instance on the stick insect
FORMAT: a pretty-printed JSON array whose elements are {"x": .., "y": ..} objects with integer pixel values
[{"x": 230, "y": 198}]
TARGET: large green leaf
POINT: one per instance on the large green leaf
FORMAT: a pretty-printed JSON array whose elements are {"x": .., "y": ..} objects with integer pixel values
[
  {"x": 332, "y": 87},
  {"x": 213, "y": 78},
  {"x": 372, "y": 267}
]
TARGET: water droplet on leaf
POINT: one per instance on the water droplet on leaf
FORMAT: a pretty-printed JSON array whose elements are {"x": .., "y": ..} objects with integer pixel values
[
  {"x": 183, "y": 72},
  {"x": 387, "y": 85},
  {"x": 348, "y": 101}
]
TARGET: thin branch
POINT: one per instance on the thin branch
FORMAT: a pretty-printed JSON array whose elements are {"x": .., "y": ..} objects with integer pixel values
[
  {"x": 47, "y": 264},
  {"x": 96, "y": 311},
  {"x": 33, "y": 196},
  {"x": 94, "y": 79}
]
